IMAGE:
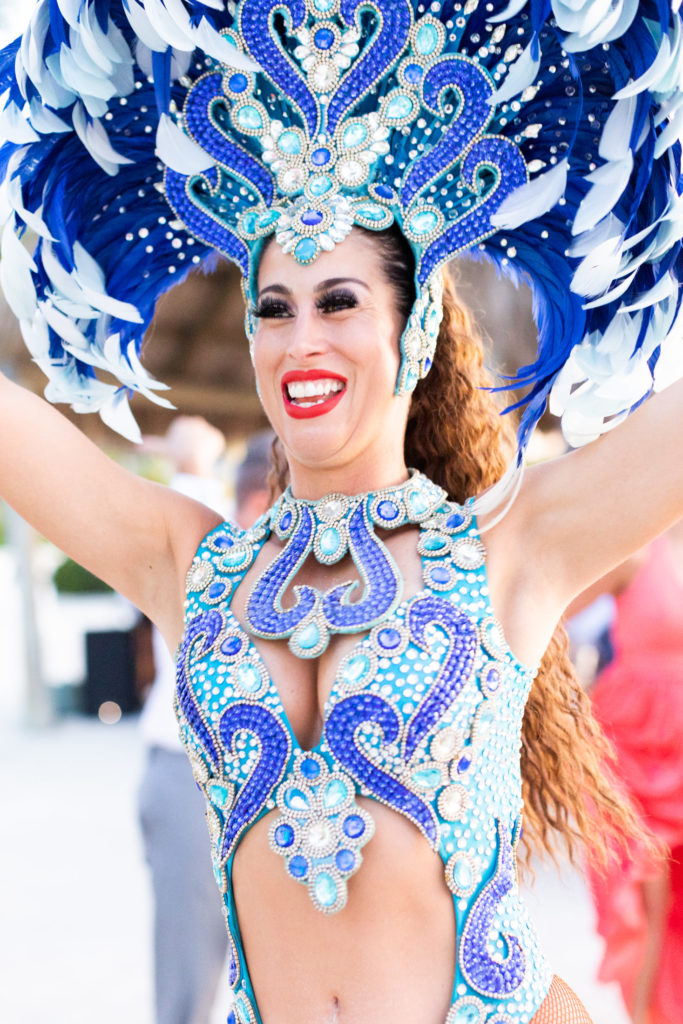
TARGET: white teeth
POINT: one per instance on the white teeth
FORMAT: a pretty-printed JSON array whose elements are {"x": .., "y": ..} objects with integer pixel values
[{"x": 298, "y": 389}]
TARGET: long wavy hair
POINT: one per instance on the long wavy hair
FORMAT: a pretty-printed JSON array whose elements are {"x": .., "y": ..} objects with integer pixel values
[{"x": 456, "y": 436}]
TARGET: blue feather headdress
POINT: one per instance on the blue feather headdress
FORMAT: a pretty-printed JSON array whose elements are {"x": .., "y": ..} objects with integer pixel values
[{"x": 140, "y": 136}]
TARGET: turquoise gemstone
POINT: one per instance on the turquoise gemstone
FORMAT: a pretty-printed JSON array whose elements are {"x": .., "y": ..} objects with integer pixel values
[
  {"x": 330, "y": 539},
  {"x": 410, "y": 380},
  {"x": 367, "y": 212},
  {"x": 323, "y": 5},
  {"x": 218, "y": 795},
  {"x": 427, "y": 778},
  {"x": 234, "y": 556},
  {"x": 290, "y": 143},
  {"x": 335, "y": 793},
  {"x": 249, "y": 117},
  {"x": 486, "y": 717},
  {"x": 250, "y": 222},
  {"x": 243, "y": 1014},
  {"x": 296, "y": 800},
  {"x": 400, "y": 106},
  {"x": 268, "y": 218},
  {"x": 249, "y": 678},
  {"x": 305, "y": 250},
  {"x": 309, "y": 636},
  {"x": 354, "y": 135},
  {"x": 426, "y": 40},
  {"x": 433, "y": 323},
  {"x": 462, "y": 874},
  {"x": 320, "y": 185},
  {"x": 467, "y": 1015},
  {"x": 433, "y": 543},
  {"x": 423, "y": 223},
  {"x": 356, "y": 668},
  {"x": 325, "y": 889}
]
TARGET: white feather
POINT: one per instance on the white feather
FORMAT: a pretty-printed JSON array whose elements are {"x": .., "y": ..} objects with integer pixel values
[
  {"x": 660, "y": 65},
  {"x": 616, "y": 135},
  {"x": 115, "y": 412},
  {"x": 672, "y": 133},
  {"x": 84, "y": 83},
  {"x": 579, "y": 18},
  {"x": 609, "y": 182},
  {"x": 64, "y": 326},
  {"x": 15, "y": 274},
  {"x": 33, "y": 220},
  {"x": 531, "y": 200},
  {"x": 609, "y": 227},
  {"x": 71, "y": 10},
  {"x": 218, "y": 47},
  {"x": 46, "y": 121},
  {"x": 96, "y": 141},
  {"x": 610, "y": 296},
  {"x": 669, "y": 366},
  {"x": 666, "y": 287},
  {"x": 36, "y": 335},
  {"x": 611, "y": 26},
  {"x": 521, "y": 75},
  {"x": 513, "y": 8},
  {"x": 173, "y": 33},
  {"x": 598, "y": 269},
  {"x": 178, "y": 151},
  {"x": 14, "y": 126},
  {"x": 92, "y": 283},
  {"x": 142, "y": 26}
]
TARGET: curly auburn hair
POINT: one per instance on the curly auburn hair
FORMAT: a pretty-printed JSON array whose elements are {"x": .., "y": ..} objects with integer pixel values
[{"x": 457, "y": 437}]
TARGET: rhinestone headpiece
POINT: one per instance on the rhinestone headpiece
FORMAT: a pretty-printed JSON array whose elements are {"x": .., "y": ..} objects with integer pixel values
[{"x": 542, "y": 135}]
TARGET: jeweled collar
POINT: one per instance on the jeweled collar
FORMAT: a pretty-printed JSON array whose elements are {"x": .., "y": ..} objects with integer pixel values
[{"x": 329, "y": 528}]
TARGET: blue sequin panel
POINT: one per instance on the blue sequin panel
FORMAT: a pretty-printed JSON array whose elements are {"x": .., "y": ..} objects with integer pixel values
[
  {"x": 273, "y": 756},
  {"x": 264, "y": 612},
  {"x": 456, "y": 668},
  {"x": 206, "y": 627},
  {"x": 255, "y": 18},
  {"x": 387, "y": 44},
  {"x": 377, "y": 569},
  {"x": 472, "y": 87},
  {"x": 191, "y": 197},
  {"x": 341, "y": 732},
  {"x": 506, "y": 164},
  {"x": 491, "y": 977},
  {"x": 205, "y": 108}
]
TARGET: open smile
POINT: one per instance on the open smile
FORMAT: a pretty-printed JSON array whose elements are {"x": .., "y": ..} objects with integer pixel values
[{"x": 308, "y": 393}]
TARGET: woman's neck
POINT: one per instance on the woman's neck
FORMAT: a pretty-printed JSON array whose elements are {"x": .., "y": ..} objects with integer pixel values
[{"x": 357, "y": 477}]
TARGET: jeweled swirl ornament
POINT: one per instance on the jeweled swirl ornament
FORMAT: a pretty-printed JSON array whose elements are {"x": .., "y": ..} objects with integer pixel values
[
  {"x": 142, "y": 136},
  {"x": 328, "y": 529}
]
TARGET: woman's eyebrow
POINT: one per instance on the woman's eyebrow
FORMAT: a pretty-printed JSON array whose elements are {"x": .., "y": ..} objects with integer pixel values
[{"x": 329, "y": 282}]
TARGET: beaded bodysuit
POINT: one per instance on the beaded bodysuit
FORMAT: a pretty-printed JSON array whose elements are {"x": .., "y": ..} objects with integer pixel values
[{"x": 424, "y": 716}]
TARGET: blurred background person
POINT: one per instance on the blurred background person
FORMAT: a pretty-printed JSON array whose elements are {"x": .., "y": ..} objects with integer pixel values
[
  {"x": 190, "y": 939},
  {"x": 638, "y": 698}
]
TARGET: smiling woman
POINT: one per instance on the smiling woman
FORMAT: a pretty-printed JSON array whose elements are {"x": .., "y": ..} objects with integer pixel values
[{"x": 358, "y": 672}]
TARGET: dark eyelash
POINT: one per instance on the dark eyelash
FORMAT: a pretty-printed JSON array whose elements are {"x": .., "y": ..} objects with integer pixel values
[
  {"x": 340, "y": 298},
  {"x": 270, "y": 308}
]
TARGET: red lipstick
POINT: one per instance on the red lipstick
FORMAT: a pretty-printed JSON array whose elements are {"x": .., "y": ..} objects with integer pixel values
[{"x": 318, "y": 408}]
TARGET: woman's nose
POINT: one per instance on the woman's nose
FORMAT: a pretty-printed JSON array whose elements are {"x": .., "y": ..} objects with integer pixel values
[{"x": 307, "y": 336}]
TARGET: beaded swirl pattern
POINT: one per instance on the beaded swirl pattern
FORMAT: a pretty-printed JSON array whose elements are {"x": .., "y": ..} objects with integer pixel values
[{"x": 424, "y": 716}]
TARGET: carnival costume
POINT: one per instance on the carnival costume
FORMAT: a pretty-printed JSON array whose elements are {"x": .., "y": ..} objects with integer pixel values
[{"x": 146, "y": 135}]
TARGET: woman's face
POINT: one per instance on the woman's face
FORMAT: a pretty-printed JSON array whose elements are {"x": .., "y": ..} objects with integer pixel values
[{"x": 326, "y": 353}]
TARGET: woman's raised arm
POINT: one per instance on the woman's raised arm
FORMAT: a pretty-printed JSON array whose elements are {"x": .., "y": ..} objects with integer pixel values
[
  {"x": 592, "y": 509},
  {"x": 136, "y": 535}
]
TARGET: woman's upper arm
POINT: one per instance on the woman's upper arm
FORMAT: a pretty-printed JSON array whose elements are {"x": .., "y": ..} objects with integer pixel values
[
  {"x": 595, "y": 507},
  {"x": 138, "y": 536}
]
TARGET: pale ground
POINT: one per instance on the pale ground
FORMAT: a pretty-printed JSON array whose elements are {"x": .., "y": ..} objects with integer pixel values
[{"x": 75, "y": 913}]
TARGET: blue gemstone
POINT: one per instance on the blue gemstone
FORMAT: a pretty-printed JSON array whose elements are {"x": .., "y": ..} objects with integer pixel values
[
  {"x": 412, "y": 73},
  {"x": 324, "y": 38},
  {"x": 309, "y": 768},
  {"x": 455, "y": 521},
  {"x": 345, "y": 860},
  {"x": 389, "y": 638},
  {"x": 311, "y": 217},
  {"x": 440, "y": 575},
  {"x": 222, "y": 541},
  {"x": 215, "y": 591},
  {"x": 387, "y": 510},
  {"x": 493, "y": 679},
  {"x": 237, "y": 82},
  {"x": 384, "y": 192},
  {"x": 298, "y": 866},
  {"x": 286, "y": 520},
  {"x": 305, "y": 250},
  {"x": 231, "y": 646},
  {"x": 320, "y": 156},
  {"x": 463, "y": 764},
  {"x": 354, "y": 826},
  {"x": 284, "y": 836}
]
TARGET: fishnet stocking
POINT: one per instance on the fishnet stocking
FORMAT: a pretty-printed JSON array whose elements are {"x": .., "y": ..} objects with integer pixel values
[{"x": 561, "y": 1006}]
